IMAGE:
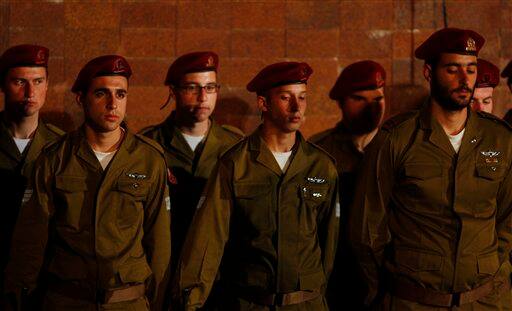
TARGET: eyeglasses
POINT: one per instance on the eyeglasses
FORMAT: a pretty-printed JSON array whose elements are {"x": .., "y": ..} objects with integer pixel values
[{"x": 194, "y": 89}]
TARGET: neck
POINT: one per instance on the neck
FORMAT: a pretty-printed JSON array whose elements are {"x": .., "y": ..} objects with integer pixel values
[
  {"x": 21, "y": 126},
  {"x": 104, "y": 141},
  {"x": 361, "y": 141},
  {"x": 453, "y": 122},
  {"x": 276, "y": 140},
  {"x": 192, "y": 128}
]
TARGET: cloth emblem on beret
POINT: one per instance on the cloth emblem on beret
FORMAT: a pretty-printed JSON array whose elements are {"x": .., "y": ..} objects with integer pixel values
[
  {"x": 470, "y": 45},
  {"x": 210, "y": 62},
  {"x": 118, "y": 65},
  {"x": 40, "y": 57}
]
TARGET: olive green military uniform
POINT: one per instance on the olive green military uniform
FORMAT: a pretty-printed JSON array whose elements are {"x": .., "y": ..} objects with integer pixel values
[
  {"x": 266, "y": 231},
  {"x": 190, "y": 169},
  {"x": 346, "y": 288},
  {"x": 15, "y": 171},
  {"x": 437, "y": 221},
  {"x": 93, "y": 230}
]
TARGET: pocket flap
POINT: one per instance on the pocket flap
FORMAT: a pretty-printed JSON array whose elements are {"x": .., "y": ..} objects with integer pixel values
[
  {"x": 490, "y": 172},
  {"x": 137, "y": 188},
  {"x": 312, "y": 280},
  {"x": 418, "y": 261},
  {"x": 71, "y": 183},
  {"x": 423, "y": 171},
  {"x": 488, "y": 263},
  {"x": 134, "y": 273},
  {"x": 251, "y": 190},
  {"x": 314, "y": 192}
]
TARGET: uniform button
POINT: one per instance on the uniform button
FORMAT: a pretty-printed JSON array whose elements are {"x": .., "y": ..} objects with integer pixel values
[
  {"x": 135, "y": 185},
  {"x": 493, "y": 168},
  {"x": 473, "y": 140}
]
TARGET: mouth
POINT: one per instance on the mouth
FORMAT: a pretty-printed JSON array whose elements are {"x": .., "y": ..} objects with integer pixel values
[
  {"x": 294, "y": 119},
  {"x": 111, "y": 117}
]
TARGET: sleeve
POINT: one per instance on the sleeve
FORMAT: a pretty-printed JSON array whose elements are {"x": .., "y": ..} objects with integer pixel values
[
  {"x": 157, "y": 236},
  {"x": 30, "y": 235},
  {"x": 204, "y": 245},
  {"x": 504, "y": 217},
  {"x": 328, "y": 225},
  {"x": 368, "y": 218}
]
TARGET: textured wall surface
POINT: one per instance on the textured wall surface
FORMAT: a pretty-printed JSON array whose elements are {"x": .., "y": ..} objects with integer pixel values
[{"x": 247, "y": 35}]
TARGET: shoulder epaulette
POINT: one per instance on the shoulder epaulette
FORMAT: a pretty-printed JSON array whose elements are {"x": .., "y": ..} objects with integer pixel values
[
  {"x": 494, "y": 118},
  {"x": 319, "y": 136},
  {"x": 322, "y": 151},
  {"x": 150, "y": 142},
  {"x": 233, "y": 129},
  {"x": 398, "y": 119},
  {"x": 54, "y": 129}
]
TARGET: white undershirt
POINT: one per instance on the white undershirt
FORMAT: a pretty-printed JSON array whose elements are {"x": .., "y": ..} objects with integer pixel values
[
  {"x": 193, "y": 141},
  {"x": 22, "y": 143},
  {"x": 104, "y": 157},
  {"x": 283, "y": 159},
  {"x": 456, "y": 140}
]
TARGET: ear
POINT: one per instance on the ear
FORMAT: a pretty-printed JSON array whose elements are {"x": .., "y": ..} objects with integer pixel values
[
  {"x": 427, "y": 72},
  {"x": 262, "y": 103},
  {"x": 78, "y": 99}
]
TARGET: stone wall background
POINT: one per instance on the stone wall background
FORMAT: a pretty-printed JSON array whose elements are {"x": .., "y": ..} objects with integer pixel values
[{"x": 247, "y": 34}]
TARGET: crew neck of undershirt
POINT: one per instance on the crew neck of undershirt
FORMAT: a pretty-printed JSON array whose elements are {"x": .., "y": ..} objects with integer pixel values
[
  {"x": 22, "y": 143},
  {"x": 104, "y": 157},
  {"x": 283, "y": 159},
  {"x": 456, "y": 140},
  {"x": 193, "y": 141}
]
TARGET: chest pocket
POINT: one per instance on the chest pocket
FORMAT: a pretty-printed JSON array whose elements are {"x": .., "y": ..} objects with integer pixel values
[
  {"x": 253, "y": 201},
  {"x": 488, "y": 181},
  {"x": 423, "y": 183},
  {"x": 71, "y": 200},
  {"x": 311, "y": 199},
  {"x": 130, "y": 208}
]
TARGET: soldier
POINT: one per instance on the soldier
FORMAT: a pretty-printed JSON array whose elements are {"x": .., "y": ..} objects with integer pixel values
[
  {"x": 191, "y": 139},
  {"x": 269, "y": 218},
  {"x": 433, "y": 204},
  {"x": 487, "y": 79},
  {"x": 359, "y": 92},
  {"x": 24, "y": 82},
  {"x": 507, "y": 73},
  {"x": 97, "y": 222}
]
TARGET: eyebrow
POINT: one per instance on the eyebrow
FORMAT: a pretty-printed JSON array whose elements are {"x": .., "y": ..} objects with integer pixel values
[{"x": 106, "y": 89}]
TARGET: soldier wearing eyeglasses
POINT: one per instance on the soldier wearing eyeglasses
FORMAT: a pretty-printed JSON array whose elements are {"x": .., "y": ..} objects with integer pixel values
[{"x": 192, "y": 140}]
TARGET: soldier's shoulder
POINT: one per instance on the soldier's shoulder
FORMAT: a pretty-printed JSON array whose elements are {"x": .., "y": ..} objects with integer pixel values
[
  {"x": 232, "y": 131},
  {"x": 492, "y": 119},
  {"x": 235, "y": 151},
  {"x": 150, "y": 131},
  {"x": 399, "y": 120},
  {"x": 319, "y": 137},
  {"x": 149, "y": 142},
  {"x": 322, "y": 153},
  {"x": 54, "y": 130}
]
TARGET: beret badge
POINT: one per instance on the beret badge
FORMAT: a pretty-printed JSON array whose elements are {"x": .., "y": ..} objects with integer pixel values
[{"x": 470, "y": 45}]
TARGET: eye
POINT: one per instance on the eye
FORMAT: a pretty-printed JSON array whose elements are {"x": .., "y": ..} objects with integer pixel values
[
  {"x": 284, "y": 97},
  {"x": 487, "y": 101},
  {"x": 19, "y": 82},
  {"x": 452, "y": 69},
  {"x": 471, "y": 70},
  {"x": 303, "y": 97},
  {"x": 99, "y": 94},
  {"x": 210, "y": 88},
  {"x": 38, "y": 81},
  {"x": 121, "y": 94}
]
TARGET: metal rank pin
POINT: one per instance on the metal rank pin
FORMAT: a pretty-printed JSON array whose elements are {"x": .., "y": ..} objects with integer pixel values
[
  {"x": 136, "y": 176},
  {"x": 316, "y": 180},
  {"x": 473, "y": 140}
]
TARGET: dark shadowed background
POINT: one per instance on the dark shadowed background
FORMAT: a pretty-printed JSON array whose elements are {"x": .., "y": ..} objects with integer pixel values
[{"x": 247, "y": 35}]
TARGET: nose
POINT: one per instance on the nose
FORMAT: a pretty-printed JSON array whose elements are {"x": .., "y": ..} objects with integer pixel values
[
  {"x": 294, "y": 104},
  {"x": 201, "y": 96},
  {"x": 464, "y": 77},
  {"x": 111, "y": 102},
  {"x": 29, "y": 90}
]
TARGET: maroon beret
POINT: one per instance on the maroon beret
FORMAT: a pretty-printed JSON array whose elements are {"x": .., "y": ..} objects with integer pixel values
[
  {"x": 358, "y": 76},
  {"x": 450, "y": 40},
  {"x": 191, "y": 62},
  {"x": 507, "y": 72},
  {"x": 280, "y": 74},
  {"x": 107, "y": 65},
  {"x": 488, "y": 74},
  {"x": 24, "y": 55}
]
